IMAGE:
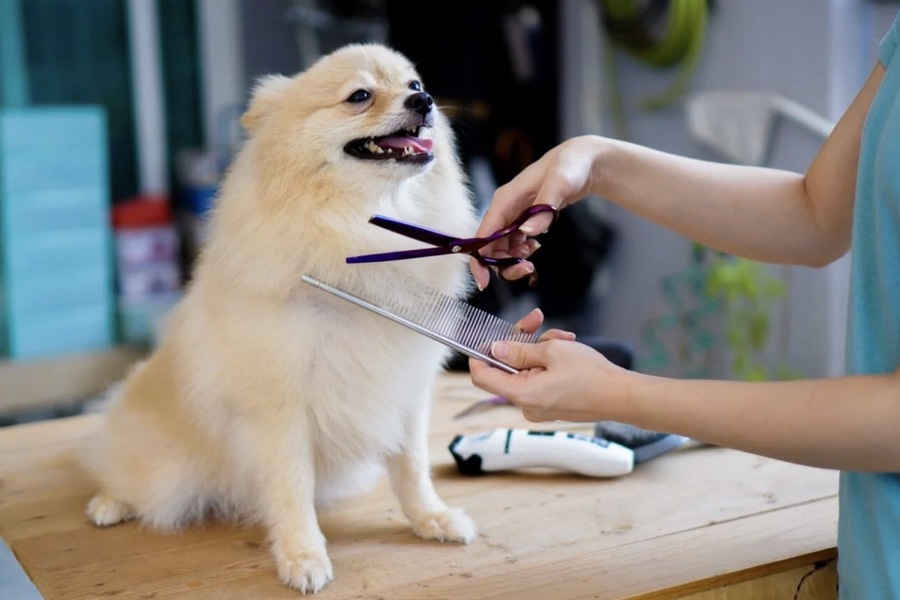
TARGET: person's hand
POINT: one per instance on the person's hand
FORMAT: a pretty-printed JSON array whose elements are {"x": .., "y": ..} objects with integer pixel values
[
  {"x": 561, "y": 177},
  {"x": 559, "y": 378}
]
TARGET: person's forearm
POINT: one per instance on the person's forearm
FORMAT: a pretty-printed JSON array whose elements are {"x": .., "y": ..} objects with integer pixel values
[
  {"x": 759, "y": 213},
  {"x": 850, "y": 423}
]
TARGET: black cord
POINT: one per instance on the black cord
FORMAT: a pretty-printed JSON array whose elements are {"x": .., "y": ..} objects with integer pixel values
[
  {"x": 638, "y": 31},
  {"x": 818, "y": 566}
]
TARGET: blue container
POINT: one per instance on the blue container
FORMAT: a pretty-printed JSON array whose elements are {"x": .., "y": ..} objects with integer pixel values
[{"x": 57, "y": 284}]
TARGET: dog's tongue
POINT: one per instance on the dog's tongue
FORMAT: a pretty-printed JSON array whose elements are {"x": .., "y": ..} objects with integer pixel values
[{"x": 419, "y": 145}]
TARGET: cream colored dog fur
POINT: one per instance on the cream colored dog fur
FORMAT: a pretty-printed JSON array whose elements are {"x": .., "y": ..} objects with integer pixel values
[{"x": 268, "y": 397}]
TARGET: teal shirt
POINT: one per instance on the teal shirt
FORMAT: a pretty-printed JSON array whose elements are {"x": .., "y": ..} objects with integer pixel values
[{"x": 869, "y": 530}]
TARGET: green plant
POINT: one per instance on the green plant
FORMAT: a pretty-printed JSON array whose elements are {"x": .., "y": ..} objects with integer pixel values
[
  {"x": 681, "y": 340},
  {"x": 749, "y": 294},
  {"x": 713, "y": 286},
  {"x": 661, "y": 35}
]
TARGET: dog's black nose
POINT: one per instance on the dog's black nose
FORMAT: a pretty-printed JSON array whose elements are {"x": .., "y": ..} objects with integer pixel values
[{"x": 420, "y": 102}]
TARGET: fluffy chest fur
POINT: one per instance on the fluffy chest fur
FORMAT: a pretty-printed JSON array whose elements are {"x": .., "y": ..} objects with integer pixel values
[{"x": 355, "y": 374}]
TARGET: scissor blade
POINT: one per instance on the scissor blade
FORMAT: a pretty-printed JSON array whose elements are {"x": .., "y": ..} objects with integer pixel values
[
  {"x": 422, "y": 234},
  {"x": 399, "y": 255}
]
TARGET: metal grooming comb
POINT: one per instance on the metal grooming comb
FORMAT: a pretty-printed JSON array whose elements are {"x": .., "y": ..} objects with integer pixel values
[{"x": 447, "y": 320}]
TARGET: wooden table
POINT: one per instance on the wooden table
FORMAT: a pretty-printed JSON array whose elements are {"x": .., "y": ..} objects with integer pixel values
[
  {"x": 61, "y": 380},
  {"x": 702, "y": 523}
]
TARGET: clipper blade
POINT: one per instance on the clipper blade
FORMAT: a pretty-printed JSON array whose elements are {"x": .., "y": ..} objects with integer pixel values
[{"x": 445, "y": 319}]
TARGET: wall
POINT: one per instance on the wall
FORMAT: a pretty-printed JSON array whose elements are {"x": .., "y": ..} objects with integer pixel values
[
  {"x": 814, "y": 52},
  {"x": 224, "y": 86},
  {"x": 269, "y": 39}
]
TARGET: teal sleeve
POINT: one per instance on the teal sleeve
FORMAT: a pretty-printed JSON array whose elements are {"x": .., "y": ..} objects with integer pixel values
[{"x": 889, "y": 43}]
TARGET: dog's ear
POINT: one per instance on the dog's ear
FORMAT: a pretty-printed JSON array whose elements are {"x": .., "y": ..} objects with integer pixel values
[{"x": 263, "y": 99}]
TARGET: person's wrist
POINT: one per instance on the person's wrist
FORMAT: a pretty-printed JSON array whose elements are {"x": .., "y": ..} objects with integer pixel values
[
  {"x": 621, "y": 395},
  {"x": 607, "y": 158}
]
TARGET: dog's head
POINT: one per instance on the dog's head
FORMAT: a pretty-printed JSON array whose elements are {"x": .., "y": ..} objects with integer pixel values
[
  {"x": 363, "y": 106},
  {"x": 354, "y": 134}
]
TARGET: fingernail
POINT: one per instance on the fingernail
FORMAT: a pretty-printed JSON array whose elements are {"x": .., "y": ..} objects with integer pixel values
[
  {"x": 527, "y": 229},
  {"x": 521, "y": 252},
  {"x": 529, "y": 268},
  {"x": 499, "y": 350},
  {"x": 480, "y": 286}
]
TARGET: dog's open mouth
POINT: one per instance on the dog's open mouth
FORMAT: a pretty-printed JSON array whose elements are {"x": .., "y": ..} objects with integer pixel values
[{"x": 404, "y": 145}]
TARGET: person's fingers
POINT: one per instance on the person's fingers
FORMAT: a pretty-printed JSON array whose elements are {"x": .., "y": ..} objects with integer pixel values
[
  {"x": 552, "y": 192},
  {"x": 490, "y": 379},
  {"x": 532, "y": 321},
  {"x": 516, "y": 238},
  {"x": 508, "y": 201},
  {"x": 518, "y": 271},
  {"x": 519, "y": 356},
  {"x": 557, "y": 334},
  {"x": 480, "y": 273},
  {"x": 525, "y": 249},
  {"x": 537, "y": 224},
  {"x": 525, "y": 267}
]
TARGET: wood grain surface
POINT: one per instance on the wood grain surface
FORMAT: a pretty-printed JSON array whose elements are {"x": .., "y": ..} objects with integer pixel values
[{"x": 702, "y": 523}]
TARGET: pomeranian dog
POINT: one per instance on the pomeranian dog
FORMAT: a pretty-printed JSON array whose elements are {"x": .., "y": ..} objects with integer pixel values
[{"x": 266, "y": 397}]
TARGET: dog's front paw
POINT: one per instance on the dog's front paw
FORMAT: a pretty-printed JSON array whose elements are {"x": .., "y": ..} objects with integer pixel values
[
  {"x": 308, "y": 571},
  {"x": 449, "y": 525},
  {"x": 103, "y": 511}
]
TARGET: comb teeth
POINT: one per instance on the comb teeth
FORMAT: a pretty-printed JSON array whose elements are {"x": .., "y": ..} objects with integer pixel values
[
  {"x": 467, "y": 325},
  {"x": 443, "y": 318}
]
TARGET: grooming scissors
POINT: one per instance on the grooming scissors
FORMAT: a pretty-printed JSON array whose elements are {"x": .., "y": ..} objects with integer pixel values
[{"x": 443, "y": 244}]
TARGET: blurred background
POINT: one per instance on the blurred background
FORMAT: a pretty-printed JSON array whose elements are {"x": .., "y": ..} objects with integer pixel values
[{"x": 119, "y": 117}]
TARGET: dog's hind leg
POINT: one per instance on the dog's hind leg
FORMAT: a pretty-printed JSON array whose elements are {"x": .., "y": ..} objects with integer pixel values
[
  {"x": 165, "y": 502},
  {"x": 141, "y": 477},
  {"x": 410, "y": 473}
]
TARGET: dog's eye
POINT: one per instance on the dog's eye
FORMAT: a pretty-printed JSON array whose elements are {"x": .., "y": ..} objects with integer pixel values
[
  {"x": 359, "y": 96},
  {"x": 415, "y": 86}
]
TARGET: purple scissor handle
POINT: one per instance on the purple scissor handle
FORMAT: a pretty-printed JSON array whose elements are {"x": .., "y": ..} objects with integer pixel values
[{"x": 446, "y": 244}]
